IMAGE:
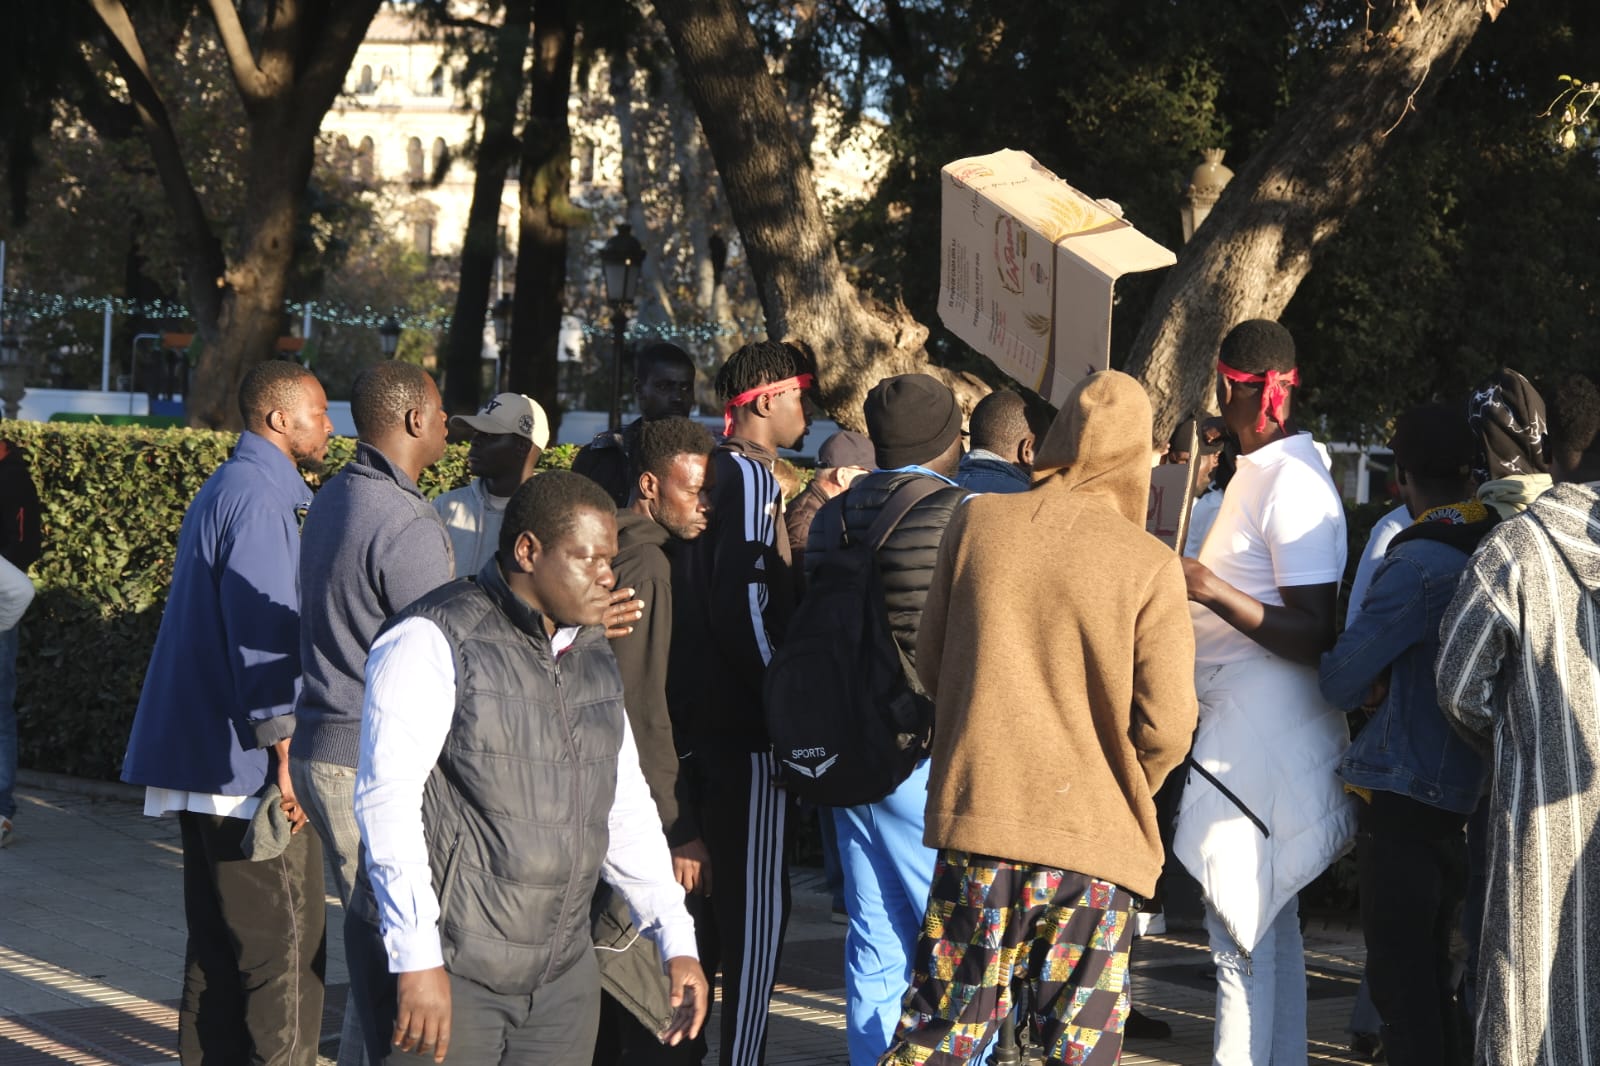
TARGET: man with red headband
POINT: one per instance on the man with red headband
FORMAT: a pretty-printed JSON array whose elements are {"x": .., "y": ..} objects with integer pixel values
[
  {"x": 732, "y": 597},
  {"x": 1263, "y": 812}
]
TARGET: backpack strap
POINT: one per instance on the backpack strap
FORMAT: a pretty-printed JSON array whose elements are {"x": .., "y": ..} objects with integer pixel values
[{"x": 898, "y": 505}]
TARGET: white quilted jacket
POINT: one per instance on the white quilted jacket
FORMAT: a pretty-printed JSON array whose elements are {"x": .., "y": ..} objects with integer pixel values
[{"x": 1263, "y": 812}]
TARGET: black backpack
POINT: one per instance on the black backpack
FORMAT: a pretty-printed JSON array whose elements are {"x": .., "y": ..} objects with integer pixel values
[{"x": 847, "y": 717}]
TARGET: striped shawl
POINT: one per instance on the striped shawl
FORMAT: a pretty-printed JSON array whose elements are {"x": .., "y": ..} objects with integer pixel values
[{"x": 1517, "y": 656}]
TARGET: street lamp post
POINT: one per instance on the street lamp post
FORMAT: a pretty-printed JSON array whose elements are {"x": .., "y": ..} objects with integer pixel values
[
  {"x": 389, "y": 337},
  {"x": 12, "y": 372},
  {"x": 1205, "y": 188},
  {"x": 620, "y": 257},
  {"x": 500, "y": 315}
]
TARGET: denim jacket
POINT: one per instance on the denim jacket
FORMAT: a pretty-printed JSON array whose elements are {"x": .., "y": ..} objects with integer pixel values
[{"x": 1408, "y": 747}]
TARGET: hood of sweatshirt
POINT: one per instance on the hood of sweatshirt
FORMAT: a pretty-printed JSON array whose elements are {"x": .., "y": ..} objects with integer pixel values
[
  {"x": 1099, "y": 444},
  {"x": 1570, "y": 515},
  {"x": 634, "y": 529}
]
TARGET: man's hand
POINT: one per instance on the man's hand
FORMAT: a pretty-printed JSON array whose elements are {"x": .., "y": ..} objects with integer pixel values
[
  {"x": 691, "y": 998},
  {"x": 1198, "y": 577},
  {"x": 422, "y": 1023},
  {"x": 691, "y": 865},
  {"x": 291, "y": 806},
  {"x": 1377, "y": 693},
  {"x": 623, "y": 612}
]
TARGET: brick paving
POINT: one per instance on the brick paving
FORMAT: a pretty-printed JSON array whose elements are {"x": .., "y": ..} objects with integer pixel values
[{"x": 91, "y": 952}]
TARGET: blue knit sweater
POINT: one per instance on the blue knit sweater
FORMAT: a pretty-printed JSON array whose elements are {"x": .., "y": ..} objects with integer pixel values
[{"x": 372, "y": 545}]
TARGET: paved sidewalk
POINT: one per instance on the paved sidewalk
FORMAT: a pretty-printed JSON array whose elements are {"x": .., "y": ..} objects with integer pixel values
[{"x": 91, "y": 953}]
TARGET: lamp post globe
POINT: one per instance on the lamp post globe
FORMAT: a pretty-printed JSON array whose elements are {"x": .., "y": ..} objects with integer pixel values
[{"x": 1203, "y": 191}]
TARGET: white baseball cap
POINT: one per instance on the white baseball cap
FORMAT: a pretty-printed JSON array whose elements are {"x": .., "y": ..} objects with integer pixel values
[{"x": 510, "y": 412}]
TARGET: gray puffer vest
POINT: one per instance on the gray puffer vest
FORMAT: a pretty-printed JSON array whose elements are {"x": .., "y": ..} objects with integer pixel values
[{"x": 516, "y": 810}]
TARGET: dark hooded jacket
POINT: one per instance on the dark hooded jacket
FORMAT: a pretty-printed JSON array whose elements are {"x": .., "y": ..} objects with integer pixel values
[
  {"x": 643, "y": 659},
  {"x": 733, "y": 595}
]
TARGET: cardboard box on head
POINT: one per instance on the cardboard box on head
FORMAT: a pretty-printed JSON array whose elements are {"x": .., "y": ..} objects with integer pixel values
[{"x": 1029, "y": 266}]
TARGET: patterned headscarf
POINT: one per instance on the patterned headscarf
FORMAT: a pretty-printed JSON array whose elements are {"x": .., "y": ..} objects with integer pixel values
[{"x": 1506, "y": 415}]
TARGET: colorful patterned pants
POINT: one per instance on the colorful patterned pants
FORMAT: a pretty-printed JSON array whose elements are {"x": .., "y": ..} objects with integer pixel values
[{"x": 988, "y": 919}]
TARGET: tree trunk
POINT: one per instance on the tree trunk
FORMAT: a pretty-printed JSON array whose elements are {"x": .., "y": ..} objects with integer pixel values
[
  {"x": 546, "y": 213},
  {"x": 287, "y": 80},
  {"x": 651, "y": 304},
  {"x": 481, "y": 244},
  {"x": 278, "y": 165},
  {"x": 1323, "y": 156},
  {"x": 772, "y": 194}
]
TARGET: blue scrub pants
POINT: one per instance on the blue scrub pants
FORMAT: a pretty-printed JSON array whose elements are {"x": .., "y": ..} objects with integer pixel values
[{"x": 887, "y": 874}]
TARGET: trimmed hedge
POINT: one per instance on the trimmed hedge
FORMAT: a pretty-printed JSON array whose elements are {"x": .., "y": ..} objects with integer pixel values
[{"x": 113, "y": 499}]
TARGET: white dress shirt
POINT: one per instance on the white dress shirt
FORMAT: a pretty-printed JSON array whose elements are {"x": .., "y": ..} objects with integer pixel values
[{"x": 405, "y": 719}]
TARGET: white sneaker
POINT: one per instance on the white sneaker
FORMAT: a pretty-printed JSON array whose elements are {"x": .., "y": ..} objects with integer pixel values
[
  {"x": 1149, "y": 923},
  {"x": 5, "y": 832}
]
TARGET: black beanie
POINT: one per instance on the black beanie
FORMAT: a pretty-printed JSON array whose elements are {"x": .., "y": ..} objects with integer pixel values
[{"x": 912, "y": 419}]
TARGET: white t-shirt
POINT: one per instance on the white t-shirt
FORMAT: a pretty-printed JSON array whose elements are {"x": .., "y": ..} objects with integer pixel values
[{"x": 1281, "y": 525}]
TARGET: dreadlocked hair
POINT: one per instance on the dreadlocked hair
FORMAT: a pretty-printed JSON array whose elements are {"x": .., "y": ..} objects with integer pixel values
[{"x": 756, "y": 364}]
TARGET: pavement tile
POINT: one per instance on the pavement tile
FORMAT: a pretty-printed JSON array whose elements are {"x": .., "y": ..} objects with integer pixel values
[{"x": 92, "y": 943}]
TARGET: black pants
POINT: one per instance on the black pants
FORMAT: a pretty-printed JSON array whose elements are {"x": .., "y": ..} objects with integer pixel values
[
  {"x": 744, "y": 820},
  {"x": 254, "y": 964},
  {"x": 1412, "y": 862}
]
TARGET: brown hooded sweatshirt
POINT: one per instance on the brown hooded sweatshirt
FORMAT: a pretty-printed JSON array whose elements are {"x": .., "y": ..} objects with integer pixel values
[{"x": 1057, "y": 645}]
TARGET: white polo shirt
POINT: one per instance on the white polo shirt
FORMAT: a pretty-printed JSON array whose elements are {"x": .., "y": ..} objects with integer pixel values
[{"x": 1281, "y": 524}]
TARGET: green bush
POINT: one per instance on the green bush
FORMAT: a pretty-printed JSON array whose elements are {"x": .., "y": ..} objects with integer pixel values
[{"x": 113, "y": 499}]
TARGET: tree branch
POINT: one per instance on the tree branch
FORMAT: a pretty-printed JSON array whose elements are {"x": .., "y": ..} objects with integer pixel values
[
  {"x": 466, "y": 22},
  {"x": 327, "y": 48},
  {"x": 845, "y": 8},
  {"x": 202, "y": 251},
  {"x": 246, "y": 73}
]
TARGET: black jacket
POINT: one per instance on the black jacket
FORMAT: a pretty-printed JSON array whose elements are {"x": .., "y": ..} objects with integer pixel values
[
  {"x": 905, "y": 562},
  {"x": 643, "y": 658},
  {"x": 608, "y": 461},
  {"x": 20, "y": 541},
  {"x": 733, "y": 595}
]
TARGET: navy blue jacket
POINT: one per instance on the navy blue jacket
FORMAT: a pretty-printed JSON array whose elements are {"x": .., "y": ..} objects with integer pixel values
[
  {"x": 225, "y": 672},
  {"x": 1408, "y": 747}
]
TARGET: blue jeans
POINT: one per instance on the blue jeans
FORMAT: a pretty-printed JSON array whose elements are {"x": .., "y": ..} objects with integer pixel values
[
  {"x": 887, "y": 874},
  {"x": 8, "y": 722},
  {"x": 1261, "y": 1002}
]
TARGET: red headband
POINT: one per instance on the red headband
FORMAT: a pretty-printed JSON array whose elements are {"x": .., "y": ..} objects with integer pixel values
[
  {"x": 799, "y": 381},
  {"x": 1274, "y": 392}
]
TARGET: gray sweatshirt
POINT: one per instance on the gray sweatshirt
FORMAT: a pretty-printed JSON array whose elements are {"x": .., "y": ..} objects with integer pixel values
[{"x": 370, "y": 546}]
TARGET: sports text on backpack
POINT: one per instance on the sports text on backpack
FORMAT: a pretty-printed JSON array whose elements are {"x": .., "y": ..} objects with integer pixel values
[{"x": 847, "y": 717}]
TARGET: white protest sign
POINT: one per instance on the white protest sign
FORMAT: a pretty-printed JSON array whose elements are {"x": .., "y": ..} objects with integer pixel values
[
  {"x": 1028, "y": 267},
  {"x": 1169, "y": 496}
]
